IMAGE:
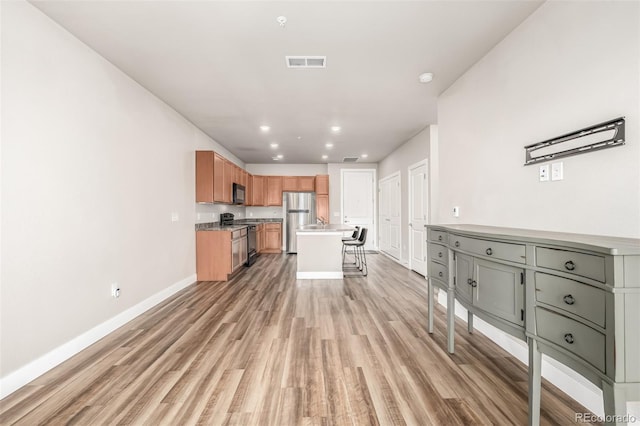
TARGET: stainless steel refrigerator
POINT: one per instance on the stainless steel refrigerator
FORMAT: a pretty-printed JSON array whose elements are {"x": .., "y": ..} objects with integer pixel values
[{"x": 300, "y": 209}]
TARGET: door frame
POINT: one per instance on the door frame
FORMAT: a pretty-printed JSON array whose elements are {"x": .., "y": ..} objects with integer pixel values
[
  {"x": 374, "y": 227},
  {"x": 424, "y": 162},
  {"x": 396, "y": 174}
]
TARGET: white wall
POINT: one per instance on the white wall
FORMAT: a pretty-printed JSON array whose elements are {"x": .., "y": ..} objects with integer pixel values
[
  {"x": 287, "y": 169},
  {"x": 414, "y": 150},
  {"x": 570, "y": 65},
  {"x": 93, "y": 166}
]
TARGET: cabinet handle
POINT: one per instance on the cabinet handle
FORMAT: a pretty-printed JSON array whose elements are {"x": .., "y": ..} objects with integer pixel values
[
  {"x": 440, "y": 274},
  {"x": 457, "y": 244},
  {"x": 569, "y": 300},
  {"x": 489, "y": 251},
  {"x": 439, "y": 254},
  {"x": 569, "y": 338},
  {"x": 474, "y": 284},
  {"x": 570, "y": 265},
  {"x": 439, "y": 237},
  {"x": 469, "y": 281}
]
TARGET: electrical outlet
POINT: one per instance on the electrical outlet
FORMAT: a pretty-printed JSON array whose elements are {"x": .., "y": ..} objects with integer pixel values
[
  {"x": 544, "y": 173},
  {"x": 175, "y": 217},
  {"x": 456, "y": 211},
  {"x": 115, "y": 290}
]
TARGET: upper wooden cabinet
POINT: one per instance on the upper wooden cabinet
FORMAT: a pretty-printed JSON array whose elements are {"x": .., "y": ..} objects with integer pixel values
[
  {"x": 274, "y": 190},
  {"x": 248, "y": 198},
  {"x": 322, "y": 207},
  {"x": 204, "y": 176},
  {"x": 322, "y": 184},
  {"x": 218, "y": 178},
  {"x": 258, "y": 190},
  {"x": 298, "y": 183},
  {"x": 229, "y": 174}
]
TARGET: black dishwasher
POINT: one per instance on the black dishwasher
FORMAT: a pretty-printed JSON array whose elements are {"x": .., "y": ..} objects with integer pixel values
[{"x": 252, "y": 252}]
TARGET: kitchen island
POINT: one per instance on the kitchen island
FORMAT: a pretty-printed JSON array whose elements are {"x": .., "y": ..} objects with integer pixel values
[{"x": 320, "y": 251}]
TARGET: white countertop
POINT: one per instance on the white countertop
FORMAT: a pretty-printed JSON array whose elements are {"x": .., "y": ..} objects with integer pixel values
[{"x": 326, "y": 228}]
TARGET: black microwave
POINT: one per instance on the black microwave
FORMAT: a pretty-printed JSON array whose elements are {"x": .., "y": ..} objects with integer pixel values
[{"x": 238, "y": 193}]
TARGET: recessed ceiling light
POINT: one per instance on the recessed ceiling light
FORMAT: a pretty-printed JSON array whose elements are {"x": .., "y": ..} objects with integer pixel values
[
  {"x": 273, "y": 145},
  {"x": 265, "y": 128},
  {"x": 364, "y": 155},
  {"x": 280, "y": 156},
  {"x": 324, "y": 157},
  {"x": 329, "y": 145},
  {"x": 425, "y": 77},
  {"x": 275, "y": 158},
  {"x": 336, "y": 129},
  {"x": 299, "y": 137}
]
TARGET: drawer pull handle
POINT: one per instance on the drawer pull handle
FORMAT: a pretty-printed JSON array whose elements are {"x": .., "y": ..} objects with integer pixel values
[
  {"x": 570, "y": 265},
  {"x": 474, "y": 284},
  {"x": 569, "y": 300},
  {"x": 469, "y": 281},
  {"x": 569, "y": 338},
  {"x": 440, "y": 274},
  {"x": 457, "y": 244},
  {"x": 439, "y": 237},
  {"x": 489, "y": 251},
  {"x": 439, "y": 254}
]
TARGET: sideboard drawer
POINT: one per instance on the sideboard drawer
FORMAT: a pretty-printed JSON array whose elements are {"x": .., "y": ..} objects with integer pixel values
[
  {"x": 498, "y": 250},
  {"x": 438, "y": 236},
  {"x": 438, "y": 271},
  {"x": 571, "y": 296},
  {"x": 573, "y": 336},
  {"x": 438, "y": 253},
  {"x": 572, "y": 262}
]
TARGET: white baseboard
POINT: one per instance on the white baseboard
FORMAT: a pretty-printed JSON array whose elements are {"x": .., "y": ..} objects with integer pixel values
[
  {"x": 398, "y": 261},
  {"x": 46, "y": 362},
  {"x": 567, "y": 380},
  {"x": 322, "y": 275}
]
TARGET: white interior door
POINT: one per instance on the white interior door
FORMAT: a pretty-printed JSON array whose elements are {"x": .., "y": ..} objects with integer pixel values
[
  {"x": 418, "y": 206},
  {"x": 390, "y": 215},
  {"x": 358, "y": 201}
]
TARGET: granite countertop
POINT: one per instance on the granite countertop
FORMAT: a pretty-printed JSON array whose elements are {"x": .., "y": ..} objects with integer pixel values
[{"x": 237, "y": 224}]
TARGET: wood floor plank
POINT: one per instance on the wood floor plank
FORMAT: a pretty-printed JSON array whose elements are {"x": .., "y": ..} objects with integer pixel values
[{"x": 267, "y": 349}]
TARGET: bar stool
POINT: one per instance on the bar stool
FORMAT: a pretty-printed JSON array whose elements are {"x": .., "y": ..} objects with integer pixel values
[
  {"x": 353, "y": 237},
  {"x": 358, "y": 250}
]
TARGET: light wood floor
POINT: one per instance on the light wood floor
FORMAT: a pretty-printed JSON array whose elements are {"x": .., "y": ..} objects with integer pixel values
[{"x": 266, "y": 349}]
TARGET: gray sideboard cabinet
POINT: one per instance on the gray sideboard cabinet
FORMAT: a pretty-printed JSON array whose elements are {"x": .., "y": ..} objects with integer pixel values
[{"x": 575, "y": 298}]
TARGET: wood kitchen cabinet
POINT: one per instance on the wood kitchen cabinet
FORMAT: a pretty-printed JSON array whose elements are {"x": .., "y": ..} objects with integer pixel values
[
  {"x": 274, "y": 190},
  {"x": 322, "y": 207},
  {"x": 322, "y": 184},
  {"x": 218, "y": 178},
  {"x": 260, "y": 238},
  {"x": 249, "y": 190},
  {"x": 258, "y": 189},
  {"x": 272, "y": 238},
  {"x": 298, "y": 183},
  {"x": 219, "y": 254},
  {"x": 227, "y": 182},
  {"x": 204, "y": 176}
]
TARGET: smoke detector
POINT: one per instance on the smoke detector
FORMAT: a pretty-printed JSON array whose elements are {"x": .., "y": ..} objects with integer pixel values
[{"x": 425, "y": 77}]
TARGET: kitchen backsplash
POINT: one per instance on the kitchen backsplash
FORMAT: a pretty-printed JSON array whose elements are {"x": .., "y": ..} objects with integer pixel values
[
  {"x": 264, "y": 212},
  {"x": 211, "y": 212}
]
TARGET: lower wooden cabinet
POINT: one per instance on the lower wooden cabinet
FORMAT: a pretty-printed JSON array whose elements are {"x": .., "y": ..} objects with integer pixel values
[
  {"x": 272, "y": 238},
  {"x": 220, "y": 253}
]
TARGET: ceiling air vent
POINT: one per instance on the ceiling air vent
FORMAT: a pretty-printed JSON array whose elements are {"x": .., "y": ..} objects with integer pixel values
[
  {"x": 349, "y": 159},
  {"x": 306, "y": 61}
]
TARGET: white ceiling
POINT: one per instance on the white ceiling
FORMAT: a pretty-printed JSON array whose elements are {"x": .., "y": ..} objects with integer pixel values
[{"x": 221, "y": 64}]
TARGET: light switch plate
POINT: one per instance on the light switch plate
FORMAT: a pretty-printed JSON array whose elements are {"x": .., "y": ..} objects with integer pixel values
[{"x": 556, "y": 171}]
